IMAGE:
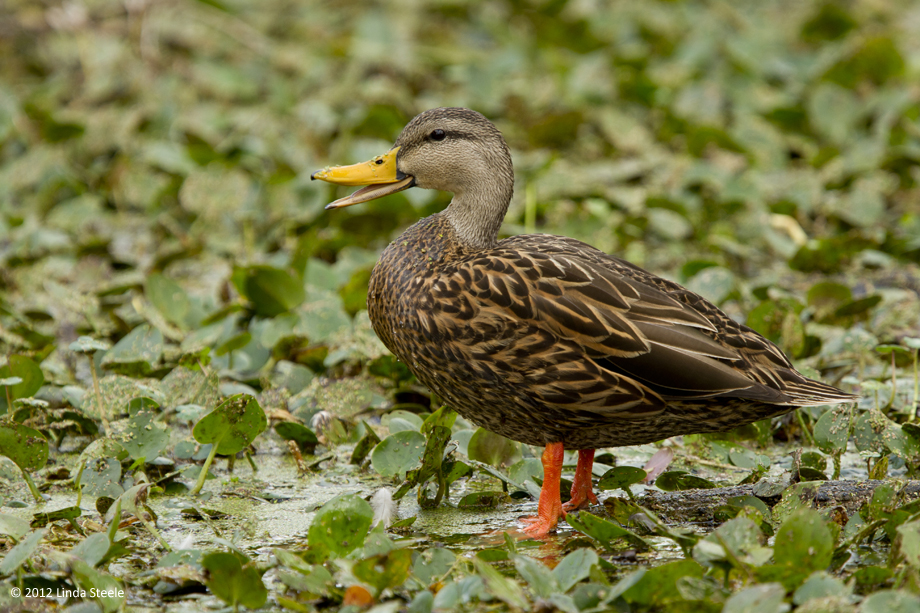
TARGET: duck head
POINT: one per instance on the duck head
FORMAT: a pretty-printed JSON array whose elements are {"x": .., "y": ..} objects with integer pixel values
[{"x": 448, "y": 149}]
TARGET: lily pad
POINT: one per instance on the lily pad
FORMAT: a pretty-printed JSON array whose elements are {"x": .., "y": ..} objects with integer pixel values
[
  {"x": 679, "y": 480},
  {"x": 145, "y": 435},
  {"x": 292, "y": 431},
  {"x": 13, "y": 526},
  {"x": 621, "y": 477},
  {"x": 229, "y": 428},
  {"x": 235, "y": 423},
  {"x": 575, "y": 567},
  {"x": 340, "y": 525},
  {"x": 271, "y": 291},
  {"x": 493, "y": 449},
  {"x": 169, "y": 299},
  {"x": 101, "y": 477},
  {"x": 383, "y": 571},
  {"x": 833, "y": 429},
  {"x": 30, "y": 379},
  {"x": 234, "y": 581},
  {"x": 137, "y": 353},
  {"x": 26, "y": 447},
  {"x": 398, "y": 453},
  {"x": 90, "y": 345}
]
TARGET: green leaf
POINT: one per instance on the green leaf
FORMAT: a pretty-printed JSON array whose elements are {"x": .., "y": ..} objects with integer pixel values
[
  {"x": 745, "y": 458},
  {"x": 169, "y": 299},
  {"x": 16, "y": 556},
  {"x": 29, "y": 373},
  {"x": 110, "y": 592},
  {"x": 714, "y": 283},
  {"x": 437, "y": 439},
  {"x": 621, "y": 477},
  {"x": 146, "y": 436},
  {"x": 27, "y": 448},
  {"x": 235, "y": 423},
  {"x": 856, "y": 307},
  {"x": 271, "y": 291},
  {"x": 233, "y": 582},
  {"x": 101, "y": 477},
  {"x": 541, "y": 579},
  {"x": 505, "y": 589},
  {"x": 822, "y": 585},
  {"x": 433, "y": 564},
  {"x": 526, "y": 469},
  {"x": 292, "y": 431},
  {"x": 137, "y": 353},
  {"x": 87, "y": 344},
  {"x": 365, "y": 445},
  {"x": 603, "y": 531},
  {"x": 493, "y": 449},
  {"x": 658, "y": 586},
  {"x": 92, "y": 550},
  {"x": 827, "y": 296},
  {"x": 909, "y": 543},
  {"x": 45, "y": 518},
  {"x": 384, "y": 571},
  {"x": 340, "y": 525},
  {"x": 481, "y": 500},
  {"x": 575, "y": 567},
  {"x": 398, "y": 453},
  {"x": 234, "y": 343},
  {"x": 679, "y": 480},
  {"x": 766, "y": 598},
  {"x": 890, "y": 601},
  {"x": 803, "y": 545},
  {"x": 736, "y": 543},
  {"x": 867, "y": 431},
  {"x": 833, "y": 429},
  {"x": 13, "y": 526},
  {"x": 621, "y": 509},
  {"x": 443, "y": 417}
]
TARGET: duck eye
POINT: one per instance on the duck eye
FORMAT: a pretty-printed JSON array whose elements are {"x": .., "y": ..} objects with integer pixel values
[{"x": 438, "y": 134}]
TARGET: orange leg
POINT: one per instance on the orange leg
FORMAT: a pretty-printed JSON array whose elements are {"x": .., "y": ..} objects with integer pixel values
[
  {"x": 549, "y": 509},
  {"x": 581, "y": 487}
]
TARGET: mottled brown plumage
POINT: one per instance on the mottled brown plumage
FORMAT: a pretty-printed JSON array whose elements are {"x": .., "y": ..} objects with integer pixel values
[{"x": 545, "y": 339}]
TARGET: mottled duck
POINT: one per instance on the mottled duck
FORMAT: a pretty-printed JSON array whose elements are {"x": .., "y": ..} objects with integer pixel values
[{"x": 545, "y": 339}]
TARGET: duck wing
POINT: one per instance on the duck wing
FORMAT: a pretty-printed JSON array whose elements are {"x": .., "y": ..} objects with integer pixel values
[{"x": 584, "y": 330}]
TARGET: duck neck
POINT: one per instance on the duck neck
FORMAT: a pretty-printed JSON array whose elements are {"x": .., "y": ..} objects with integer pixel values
[{"x": 477, "y": 214}]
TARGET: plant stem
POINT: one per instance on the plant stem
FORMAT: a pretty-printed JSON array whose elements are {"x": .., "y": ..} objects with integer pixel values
[
  {"x": 204, "y": 470},
  {"x": 98, "y": 391},
  {"x": 153, "y": 530},
  {"x": 252, "y": 463},
  {"x": 916, "y": 385},
  {"x": 894, "y": 380},
  {"x": 32, "y": 488},
  {"x": 806, "y": 430},
  {"x": 76, "y": 483}
]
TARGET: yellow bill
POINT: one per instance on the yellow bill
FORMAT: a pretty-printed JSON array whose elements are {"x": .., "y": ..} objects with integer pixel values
[{"x": 380, "y": 176}]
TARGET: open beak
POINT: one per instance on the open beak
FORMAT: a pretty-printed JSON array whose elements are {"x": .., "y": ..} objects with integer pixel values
[{"x": 379, "y": 175}]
